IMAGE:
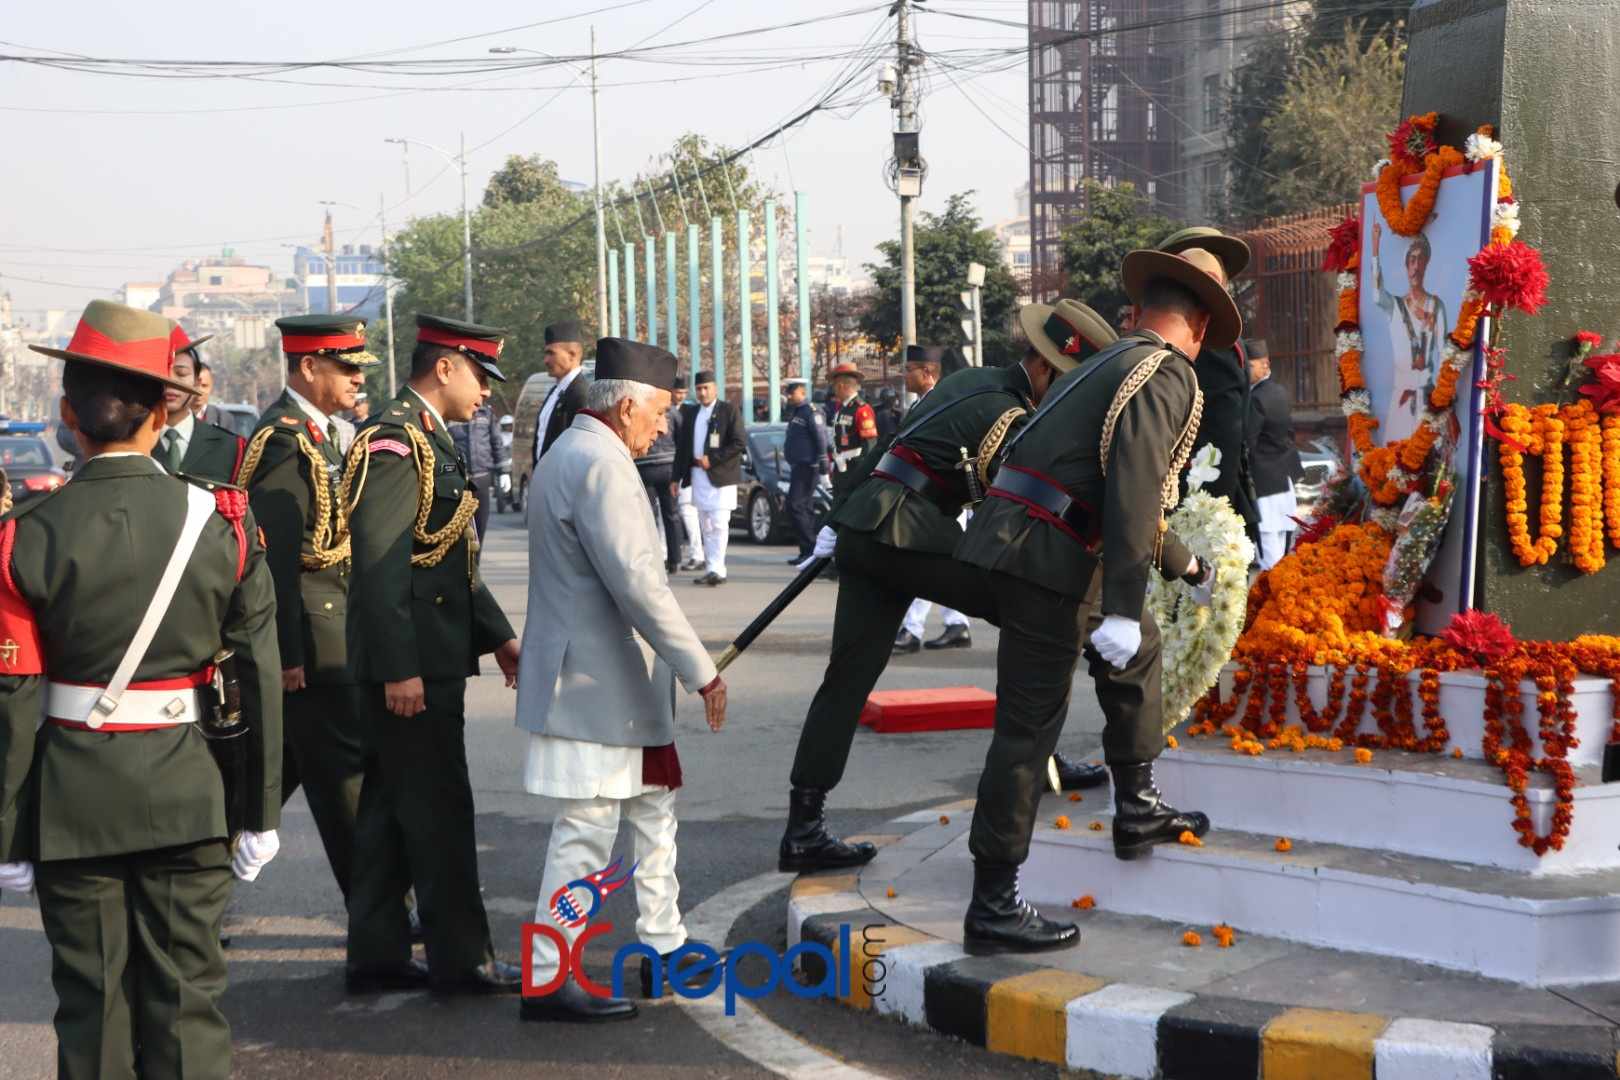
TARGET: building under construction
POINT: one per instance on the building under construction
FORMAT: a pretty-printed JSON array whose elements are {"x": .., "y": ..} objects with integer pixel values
[{"x": 1103, "y": 76}]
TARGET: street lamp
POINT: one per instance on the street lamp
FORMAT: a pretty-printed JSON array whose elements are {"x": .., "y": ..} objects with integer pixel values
[
  {"x": 596, "y": 149},
  {"x": 466, "y": 215}
]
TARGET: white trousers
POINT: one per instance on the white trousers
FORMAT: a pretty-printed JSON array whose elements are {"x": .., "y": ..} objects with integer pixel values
[
  {"x": 917, "y": 616},
  {"x": 689, "y": 518},
  {"x": 582, "y": 839},
  {"x": 716, "y": 528},
  {"x": 1273, "y": 546}
]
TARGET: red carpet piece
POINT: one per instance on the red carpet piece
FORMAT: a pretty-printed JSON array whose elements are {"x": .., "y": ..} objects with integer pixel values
[{"x": 947, "y": 708}]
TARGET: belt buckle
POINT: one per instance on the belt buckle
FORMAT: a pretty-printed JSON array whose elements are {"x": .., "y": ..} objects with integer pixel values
[{"x": 101, "y": 712}]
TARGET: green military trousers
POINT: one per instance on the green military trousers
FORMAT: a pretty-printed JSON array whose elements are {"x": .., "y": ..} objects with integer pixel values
[
  {"x": 875, "y": 586},
  {"x": 136, "y": 961},
  {"x": 1041, "y": 635},
  {"x": 416, "y": 824},
  {"x": 323, "y": 751}
]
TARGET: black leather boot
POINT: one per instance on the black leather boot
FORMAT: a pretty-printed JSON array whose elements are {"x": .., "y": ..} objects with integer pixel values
[
  {"x": 1141, "y": 816},
  {"x": 807, "y": 845},
  {"x": 999, "y": 921},
  {"x": 1066, "y": 775}
]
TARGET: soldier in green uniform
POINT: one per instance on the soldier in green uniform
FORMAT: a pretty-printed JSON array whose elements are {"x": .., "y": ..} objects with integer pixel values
[
  {"x": 292, "y": 469},
  {"x": 419, "y": 618},
  {"x": 115, "y": 802},
  {"x": 191, "y": 446},
  {"x": 1067, "y": 535},
  {"x": 896, "y": 532}
]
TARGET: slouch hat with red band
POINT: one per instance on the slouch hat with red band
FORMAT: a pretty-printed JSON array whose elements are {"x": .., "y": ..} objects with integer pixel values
[
  {"x": 123, "y": 338},
  {"x": 337, "y": 337},
  {"x": 481, "y": 344},
  {"x": 180, "y": 341}
]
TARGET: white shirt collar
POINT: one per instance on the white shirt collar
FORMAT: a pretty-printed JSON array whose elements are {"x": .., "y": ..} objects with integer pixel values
[
  {"x": 184, "y": 429},
  {"x": 314, "y": 414},
  {"x": 437, "y": 419},
  {"x": 563, "y": 383},
  {"x": 128, "y": 453}
]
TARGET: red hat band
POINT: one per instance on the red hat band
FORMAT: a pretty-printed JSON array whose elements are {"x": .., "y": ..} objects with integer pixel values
[
  {"x": 308, "y": 343},
  {"x": 149, "y": 356},
  {"x": 490, "y": 349}
]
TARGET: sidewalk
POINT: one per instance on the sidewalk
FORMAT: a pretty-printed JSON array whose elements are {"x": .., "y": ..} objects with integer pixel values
[{"x": 1133, "y": 1000}]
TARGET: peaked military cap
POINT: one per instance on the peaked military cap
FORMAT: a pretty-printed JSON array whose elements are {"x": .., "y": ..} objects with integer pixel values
[
  {"x": 1233, "y": 252},
  {"x": 1065, "y": 333},
  {"x": 181, "y": 342},
  {"x": 620, "y": 358},
  {"x": 564, "y": 330},
  {"x": 127, "y": 339},
  {"x": 481, "y": 343},
  {"x": 340, "y": 337}
]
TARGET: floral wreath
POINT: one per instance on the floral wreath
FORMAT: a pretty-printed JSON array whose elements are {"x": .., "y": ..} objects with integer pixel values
[{"x": 1197, "y": 641}]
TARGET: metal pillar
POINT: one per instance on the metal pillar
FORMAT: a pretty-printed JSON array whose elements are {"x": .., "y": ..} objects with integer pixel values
[
  {"x": 652, "y": 288},
  {"x": 773, "y": 316},
  {"x": 717, "y": 268},
  {"x": 630, "y": 292},
  {"x": 694, "y": 305},
  {"x": 672, "y": 314},
  {"x": 745, "y": 312},
  {"x": 801, "y": 259},
  {"x": 613, "y": 294}
]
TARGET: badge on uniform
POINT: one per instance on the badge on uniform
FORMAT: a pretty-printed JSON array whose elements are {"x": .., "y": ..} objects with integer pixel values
[
  {"x": 447, "y": 467},
  {"x": 714, "y": 440}
]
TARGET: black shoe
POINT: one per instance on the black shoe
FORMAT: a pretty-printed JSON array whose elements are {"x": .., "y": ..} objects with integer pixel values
[
  {"x": 671, "y": 567},
  {"x": 686, "y": 977},
  {"x": 906, "y": 642},
  {"x": 715, "y": 579},
  {"x": 799, "y": 558},
  {"x": 416, "y": 924},
  {"x": 571, "y": 1004},
  {"x": 1141, "y": 816},
  {"x": 954, "y": 637},
  {"x": 691, "y": 564},
  {"x": 807, "y": 845},
  {"x": 1065, "y": 775},
  {"x": 491, "y": 977},
  {"x": 706, "y": 579},
  {"x": 1000, "y": 921},
  {"x": 412, "y": 975}
]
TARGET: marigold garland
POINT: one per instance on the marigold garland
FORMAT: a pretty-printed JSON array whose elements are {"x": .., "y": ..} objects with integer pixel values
[{"x": 1593, "y": 474}]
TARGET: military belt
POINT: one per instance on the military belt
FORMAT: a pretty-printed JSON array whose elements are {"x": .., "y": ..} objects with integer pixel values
[
  {"x": 905, "y": 467},
  {"x": 148, "y": 706},
  {"x": 1050, "y": 502}
]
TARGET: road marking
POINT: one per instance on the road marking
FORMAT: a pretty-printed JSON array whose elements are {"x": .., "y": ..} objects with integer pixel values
[{"x": 750, "y": 1033}]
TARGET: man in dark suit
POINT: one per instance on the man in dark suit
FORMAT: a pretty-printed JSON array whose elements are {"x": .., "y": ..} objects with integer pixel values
[
  {"x": 565, "y": 352},
  {"x": 1276, "y": 458},
  {"x": 709, "y": 460},
  {"x": 191, "y": 446},
  {"x": 804, "y": 448},
  {"x": 1223, "y": 376}
]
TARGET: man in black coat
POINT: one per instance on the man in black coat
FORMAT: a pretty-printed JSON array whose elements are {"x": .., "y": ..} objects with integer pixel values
[
  {"x": 1276, "y": 458},
  {"x": 565, "y": 352},
  {"x": 708, "y": 459},
  {"x": 804, "y": 448},
  {"x": 480, "y": 444}
]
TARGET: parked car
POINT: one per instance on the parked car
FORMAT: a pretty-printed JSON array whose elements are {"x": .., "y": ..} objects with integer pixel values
[
  {"x": 762, "y": 495},
  {"x": 1324, "y": 465},
  {"x": 503, "y": 503},
  {"x": 27, "y": 460}
]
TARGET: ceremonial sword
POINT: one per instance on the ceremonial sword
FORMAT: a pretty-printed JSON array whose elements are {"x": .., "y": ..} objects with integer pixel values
[{"x": 811, "y": 570}]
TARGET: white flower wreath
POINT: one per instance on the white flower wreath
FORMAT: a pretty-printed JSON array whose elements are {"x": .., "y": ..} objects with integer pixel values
[{"x": 1198, "y": 641}]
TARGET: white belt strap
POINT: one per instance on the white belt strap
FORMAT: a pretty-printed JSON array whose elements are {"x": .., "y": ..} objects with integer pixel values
[
  {"x": 199, "y": 506},
  {"x": 136, "y": 708}
]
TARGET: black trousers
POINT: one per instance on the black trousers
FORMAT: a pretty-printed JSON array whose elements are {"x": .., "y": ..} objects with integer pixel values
[
  {"x": 658, "y": 478},
  {"x": 801, "y": 505},
  {"x": 1041, "y": 636},
  {"x": 323, "y": 751},
  {"x": 484, "y": 487},
  {"x": 136, "y": 961},
  {"x": 416, "y": 825},
  {"x": 876, "y": 584}
]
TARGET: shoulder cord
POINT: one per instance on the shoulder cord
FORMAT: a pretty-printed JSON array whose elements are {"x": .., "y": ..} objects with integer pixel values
[
  {"x": 1180, "y": 453},
  {"x": 440, "y": 541},
  {"x": 993, "y": 439},
  {"x": 331, "y": 536}
]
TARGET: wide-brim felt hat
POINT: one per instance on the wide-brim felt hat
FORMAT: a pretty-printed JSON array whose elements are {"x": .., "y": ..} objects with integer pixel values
[
  {"x": 181, "y": 342},
  {"x": 1065, "y": 333},
  {"x": 847, "y": 369},
  {"x": 1233, "y": 252},
  {"x": 122, "y": 338},
  {"x": 1201, "y": 273},
  {"x": 480, "y": 344}
]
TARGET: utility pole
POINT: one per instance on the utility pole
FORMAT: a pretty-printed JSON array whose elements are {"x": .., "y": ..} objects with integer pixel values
[
  {"x": 466, "y": 235},
  {"x": 908, "y": 166},
  {"x": 601, "y": 225},
  {"x": 388, "y": 292},
  {"x": 331, "y": 263}
]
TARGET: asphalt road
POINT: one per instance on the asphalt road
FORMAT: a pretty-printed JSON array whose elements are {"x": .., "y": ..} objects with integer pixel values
[{"x": 286, "y": 1002}]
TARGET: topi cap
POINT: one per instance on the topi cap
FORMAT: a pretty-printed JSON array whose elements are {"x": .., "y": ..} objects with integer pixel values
[
  {"x": 180, "y": 341},
  {"x": 1201, "y": 273},
  {"x": 1233, "y": 252},
  {"x": 634, "y": 361},
  {"x": 1065, "y": 333},
  {"x": 340, "y": 337},
  {"x": 481, "y": 344},
  {"x": 564, "y": 330},
  {"x": 703, "y": 377},
  {"x": 123, "y": 338},
  {"x": 925, "y": 354}
]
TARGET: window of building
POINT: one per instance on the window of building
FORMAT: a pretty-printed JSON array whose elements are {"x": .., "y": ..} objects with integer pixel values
[
  {"x": 1214, "y": 187},
  {"x": 1214, "y": 105},
  {"x": 215, "y": 279}
]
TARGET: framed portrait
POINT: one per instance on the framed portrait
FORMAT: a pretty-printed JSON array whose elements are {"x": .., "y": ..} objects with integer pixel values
[{"x": 1411, "y": 290}]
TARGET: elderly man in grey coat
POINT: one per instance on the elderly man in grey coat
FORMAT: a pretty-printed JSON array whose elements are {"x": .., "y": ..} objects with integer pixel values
[{"x": 603, "y": 646}]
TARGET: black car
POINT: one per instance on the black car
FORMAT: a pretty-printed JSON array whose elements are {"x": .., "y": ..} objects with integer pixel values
[
  {"x": 762, "y": 495},
  {"x": 29, "y": 466}
]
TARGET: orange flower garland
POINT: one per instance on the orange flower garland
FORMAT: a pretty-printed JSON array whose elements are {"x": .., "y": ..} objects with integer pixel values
[
  {"x": 1593, "y": 472},
  {"x": 1410, "y": 219},
  {"x": 1610, "y": 443},
  {"x": 1585, "y": 487}
]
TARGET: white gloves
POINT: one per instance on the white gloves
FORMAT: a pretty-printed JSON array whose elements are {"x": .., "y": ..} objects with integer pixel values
[
  {"x": 1203, "y": 590},
  {"x": 253, "y": 853},
  {"x": 16, "y": 877},
  {"x": 826, "y": 541},
  {"x": 506, "y": 483},
  {"x": 1117, "y": 640}
]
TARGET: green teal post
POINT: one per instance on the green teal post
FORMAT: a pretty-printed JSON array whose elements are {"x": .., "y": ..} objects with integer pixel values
[
  {"x": 613, "y": 294},
  {"x": 652, "y": 288},
  {"x": 773, "y": 311},
  {"x": 801, "y": 251},
  {"x": 630, "y": 291},
  {"x": 717, "y": 268},
  {"x": 745, "y": 312},
  {"x": 672, "y": 315},
  {"x": 694, "y": 305}
]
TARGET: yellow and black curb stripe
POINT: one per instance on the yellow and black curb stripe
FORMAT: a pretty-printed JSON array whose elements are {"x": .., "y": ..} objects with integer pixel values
[{"x": 1015, "y": 1006}]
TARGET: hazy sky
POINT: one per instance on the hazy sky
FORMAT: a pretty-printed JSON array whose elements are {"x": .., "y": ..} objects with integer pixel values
[{"x": 112, "y": 178}]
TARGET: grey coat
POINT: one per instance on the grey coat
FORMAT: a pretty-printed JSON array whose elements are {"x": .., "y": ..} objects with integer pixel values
[{"x": 604, "y": 640}]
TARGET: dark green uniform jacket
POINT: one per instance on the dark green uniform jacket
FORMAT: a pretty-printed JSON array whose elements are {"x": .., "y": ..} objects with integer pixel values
[
  {"x": 86, "y": 561},
  {"x": 294, "y": 462},
  {"x": 1062, "y": 442},
  {"x": 213, "y": 453},
  {"x": 406, "y": 621},
  {"x": 900, "y": 517}
]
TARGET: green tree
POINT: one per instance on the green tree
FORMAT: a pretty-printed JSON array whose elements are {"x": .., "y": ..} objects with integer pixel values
[
  {"x": 523, "y": 180},
  {"x": 1117, "y": 219},
  {"x": 945, "y": 243}
]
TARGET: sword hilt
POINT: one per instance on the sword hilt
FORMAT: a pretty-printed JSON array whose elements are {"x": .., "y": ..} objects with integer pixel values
[{"x": 726, "y": 658}]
